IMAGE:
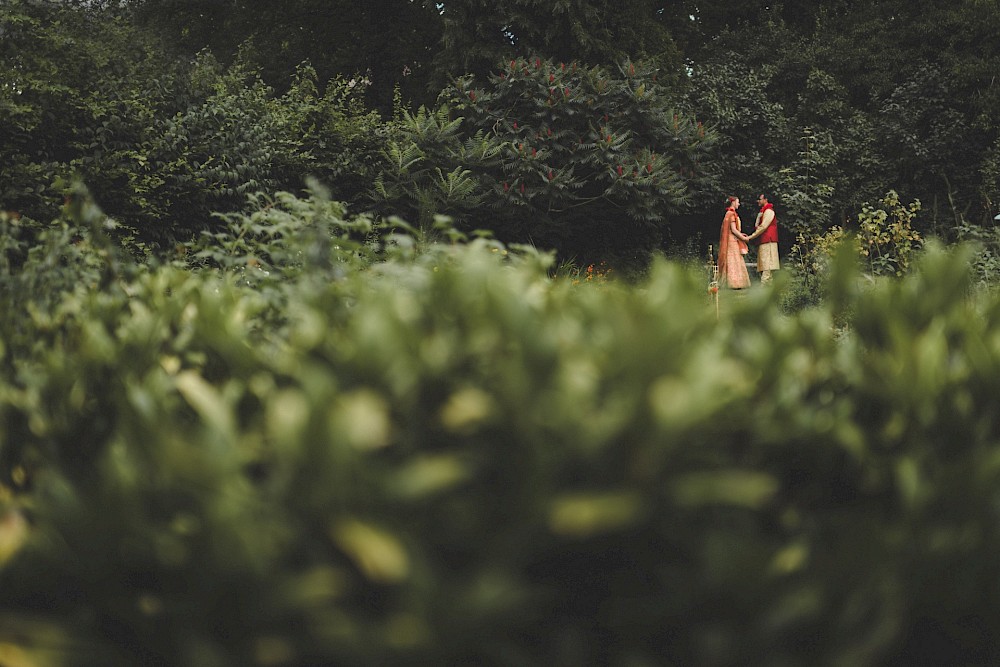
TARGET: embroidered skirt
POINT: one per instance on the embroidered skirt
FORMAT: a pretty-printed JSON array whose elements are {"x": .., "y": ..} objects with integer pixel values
[{"x": 734, "y": 274}]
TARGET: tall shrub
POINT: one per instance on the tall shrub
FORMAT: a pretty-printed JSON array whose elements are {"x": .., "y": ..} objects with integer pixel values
[
  {"x": 53, "y": 58},
  {"x": 329, "y": 133},
  {"x": 887, "y": 235},
  {"x": 591, "y": 162}
]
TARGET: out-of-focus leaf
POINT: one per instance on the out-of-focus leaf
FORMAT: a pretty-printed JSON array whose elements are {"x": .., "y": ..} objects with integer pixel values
[
  {"x": 742, "y": 488},
  {"x": 376, "y": 552},
  {"x": 583, "y": 515}
]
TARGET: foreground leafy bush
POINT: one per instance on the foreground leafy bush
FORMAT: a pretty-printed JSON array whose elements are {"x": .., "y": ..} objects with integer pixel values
[{"x": 455, "y": 460}]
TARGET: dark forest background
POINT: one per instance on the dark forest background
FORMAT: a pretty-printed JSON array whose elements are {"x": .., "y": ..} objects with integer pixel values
[{"x": 171, "y": 110}]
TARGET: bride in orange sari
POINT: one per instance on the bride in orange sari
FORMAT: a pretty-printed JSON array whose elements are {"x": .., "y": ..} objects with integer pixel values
[{"x": 732, "y": 247}]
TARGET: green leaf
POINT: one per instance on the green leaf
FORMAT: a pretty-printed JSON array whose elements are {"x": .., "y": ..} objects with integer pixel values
[{"x": 741, "y": 488}]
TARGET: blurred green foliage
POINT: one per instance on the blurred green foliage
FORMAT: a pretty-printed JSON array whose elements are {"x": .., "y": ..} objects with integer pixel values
[{"x": 441, "y": 455}]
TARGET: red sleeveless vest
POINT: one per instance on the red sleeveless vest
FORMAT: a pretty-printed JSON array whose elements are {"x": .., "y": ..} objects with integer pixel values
[{"x": 770, "y": 234}]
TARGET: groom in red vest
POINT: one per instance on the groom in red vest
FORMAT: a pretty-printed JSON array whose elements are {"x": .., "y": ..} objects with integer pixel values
[{"x": 766, "y": 228}]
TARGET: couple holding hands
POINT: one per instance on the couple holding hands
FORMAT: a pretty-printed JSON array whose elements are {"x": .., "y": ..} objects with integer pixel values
[{"x": 733, "y": 245}]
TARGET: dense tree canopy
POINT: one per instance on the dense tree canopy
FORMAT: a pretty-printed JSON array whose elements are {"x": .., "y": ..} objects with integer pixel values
[
  {"x": 478, "y": 34},
  {"x": 391, "y": 42}
]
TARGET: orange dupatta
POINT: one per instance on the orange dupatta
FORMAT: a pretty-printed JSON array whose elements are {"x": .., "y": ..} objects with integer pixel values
[{"x": 726, "y": 237}]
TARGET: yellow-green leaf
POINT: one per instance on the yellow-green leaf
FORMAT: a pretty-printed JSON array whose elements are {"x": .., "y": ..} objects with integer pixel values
[
  {"x": 724, "y": 487},
  {"x": 378, "y": 554}
]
